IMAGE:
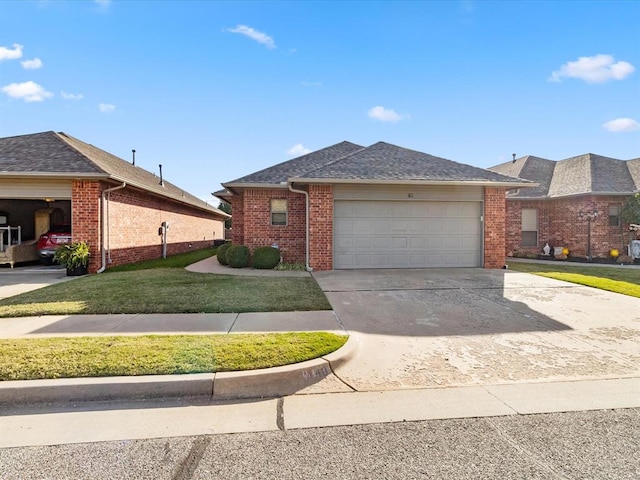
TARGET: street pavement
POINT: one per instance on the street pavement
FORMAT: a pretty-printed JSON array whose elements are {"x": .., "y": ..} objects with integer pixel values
[
  {"x": 594, "y": 445},
  {"x": 424, "y": 344}
]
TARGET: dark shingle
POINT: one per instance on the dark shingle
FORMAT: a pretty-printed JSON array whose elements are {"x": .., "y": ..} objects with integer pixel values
[
  {"x": 297, "y": 166},
  {"x": 385, "y": 162},
  {"x": 536, "y": 169},
  {"x": 42, "y": 152}
]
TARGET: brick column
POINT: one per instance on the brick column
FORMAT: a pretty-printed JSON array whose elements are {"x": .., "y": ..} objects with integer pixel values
[
  {"x": 237, "y": 212},
  {"x": 86, "y": 219},
  {"x": 321, "y": 227},
  {"x": 494, "y": 227}
]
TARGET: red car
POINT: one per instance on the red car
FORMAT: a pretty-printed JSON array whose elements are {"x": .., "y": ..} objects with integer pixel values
[{"x": 48, "y": 242}]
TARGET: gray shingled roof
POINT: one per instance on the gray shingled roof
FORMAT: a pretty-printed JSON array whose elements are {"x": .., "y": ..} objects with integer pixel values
[
  {"x": 381, "y": 162},
  {"x": 50, "y": 153},
  {"x": 385, "y": 162},
  {"x": 296, "y": 167},
  {"x": 583, "y": 174}
]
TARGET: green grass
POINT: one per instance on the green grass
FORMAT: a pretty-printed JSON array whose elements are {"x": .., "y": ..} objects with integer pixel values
[
  {"x": 168, "y": 290},
  {"x": 613, "y": 279},
  {"x": 69, "y": 357},
  {"x": 175, "y": 261}
]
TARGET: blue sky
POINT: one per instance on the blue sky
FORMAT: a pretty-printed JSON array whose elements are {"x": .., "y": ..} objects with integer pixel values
[{"x": 216, "y": 90}]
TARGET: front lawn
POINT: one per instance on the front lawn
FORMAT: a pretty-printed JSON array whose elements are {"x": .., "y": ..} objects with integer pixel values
[
  {"x": 168, "y": 290},
  {"x": 47, "y": 358},
  {"x": 614, "y": 279}
]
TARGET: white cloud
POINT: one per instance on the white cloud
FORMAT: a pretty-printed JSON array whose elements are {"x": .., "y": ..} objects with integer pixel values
[
  {"x": 106, "y": 107},
  {"x": 71, "y": 96},
  {"x": 27, "y": 91},
  {"x": 34, "y": 64},
  {"x": 621, "y": 125},
  {"x": 597, "y": 69},
  {"x": 11, "y": 54},
  {"x": 256, "y": 35},
  {"x": 102, "y": 3},
  {"x": 298, "y": 149},
  {"x": 384, "y": 114}
]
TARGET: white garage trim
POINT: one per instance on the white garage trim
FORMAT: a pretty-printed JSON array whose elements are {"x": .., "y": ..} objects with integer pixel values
[
  {"x": 402, "y": 231},
  {"x": 32, "y": 189}
]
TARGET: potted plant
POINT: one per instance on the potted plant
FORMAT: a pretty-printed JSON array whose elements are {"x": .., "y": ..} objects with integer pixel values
[{"x": 74, "y": 257}]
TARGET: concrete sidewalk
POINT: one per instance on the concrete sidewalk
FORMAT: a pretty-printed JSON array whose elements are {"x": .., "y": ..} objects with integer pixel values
[{"x": 169, "y": 323}]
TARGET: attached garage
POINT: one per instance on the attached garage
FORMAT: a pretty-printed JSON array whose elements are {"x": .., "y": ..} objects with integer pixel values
[
  {"x": 402, "y": 227},
  {"x": 382, "y": 206}
]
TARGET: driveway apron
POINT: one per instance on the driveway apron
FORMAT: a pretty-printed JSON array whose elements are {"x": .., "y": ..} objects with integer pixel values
[{"x": 461, "y": 327}]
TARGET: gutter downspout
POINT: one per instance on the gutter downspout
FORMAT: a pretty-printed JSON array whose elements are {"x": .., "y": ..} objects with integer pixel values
[
  {"x": 306, "y": 196},
  {"x": 104, "y": 202}
]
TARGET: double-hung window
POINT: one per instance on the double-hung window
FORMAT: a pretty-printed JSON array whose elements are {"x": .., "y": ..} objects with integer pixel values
[
  {"x": 529, "y": 227},
  {"x": 614, "y": 215},
  {"x": 278, "y": 211}
]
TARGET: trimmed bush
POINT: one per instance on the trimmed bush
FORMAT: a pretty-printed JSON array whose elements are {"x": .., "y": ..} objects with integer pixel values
[
  {"x": 222, "y": 253},
  {"x": 265, "y": 258},
  {"x": 238, "y": 256}
]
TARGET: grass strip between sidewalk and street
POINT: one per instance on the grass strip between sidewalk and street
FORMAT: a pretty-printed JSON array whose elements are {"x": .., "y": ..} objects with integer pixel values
[
  {"x": 613, "y": 279},
  {"x": 71, "y": 357}
]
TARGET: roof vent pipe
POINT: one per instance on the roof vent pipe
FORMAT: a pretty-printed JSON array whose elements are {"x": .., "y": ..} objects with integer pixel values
[
  {"x": 161, "y": 182},
  {"x": 514, "y": 158},
  {"x": 133, "y": 151}
]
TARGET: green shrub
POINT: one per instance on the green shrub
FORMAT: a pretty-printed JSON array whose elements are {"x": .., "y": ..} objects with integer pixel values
[
  {"x": 222, "y": 253},
  {"x": 265, "y": 257},
  {"x": 238, "y": 256}
]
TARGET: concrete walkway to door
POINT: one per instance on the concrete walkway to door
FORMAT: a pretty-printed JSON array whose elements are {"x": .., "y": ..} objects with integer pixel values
[{"x": 462, "y": 327}]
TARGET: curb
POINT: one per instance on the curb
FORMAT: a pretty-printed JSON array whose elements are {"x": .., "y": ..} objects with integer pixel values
[{"x": 269, "y": 382}]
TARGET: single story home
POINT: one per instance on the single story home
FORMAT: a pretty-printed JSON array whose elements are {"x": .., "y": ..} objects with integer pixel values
[
  {"x": 576, "y": 204},
  {"x": 125, "y": 213},
  {"x": 347, "y": 206}
]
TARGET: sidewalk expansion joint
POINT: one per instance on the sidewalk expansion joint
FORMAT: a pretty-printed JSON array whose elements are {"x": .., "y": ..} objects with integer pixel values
[
  {"x": 233, "y": 324},
  {"x": 280, "y": 414}
]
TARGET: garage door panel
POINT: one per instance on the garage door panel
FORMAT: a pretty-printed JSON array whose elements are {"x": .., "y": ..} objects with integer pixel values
[{"x": 413, "y": 234}]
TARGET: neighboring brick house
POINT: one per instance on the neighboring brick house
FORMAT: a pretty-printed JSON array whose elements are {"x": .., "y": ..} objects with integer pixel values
[
  {"x": 383, "y": 206},
  {"x": 116, "y": 207},
  {"x": 560, "y": 210}
]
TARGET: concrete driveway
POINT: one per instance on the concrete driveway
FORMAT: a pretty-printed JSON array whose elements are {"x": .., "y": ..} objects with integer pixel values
[
  {"x": 459, "y": 327},
  {"x": 21, "y": 279}
]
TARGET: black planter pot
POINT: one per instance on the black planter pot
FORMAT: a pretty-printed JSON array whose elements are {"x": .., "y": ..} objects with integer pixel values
[{"x": 76, "y": 272}]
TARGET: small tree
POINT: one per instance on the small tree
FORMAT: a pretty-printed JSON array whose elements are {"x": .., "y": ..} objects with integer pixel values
[
  {"x": 226, "y": 208},
  {"x": 630, "y": 212}
]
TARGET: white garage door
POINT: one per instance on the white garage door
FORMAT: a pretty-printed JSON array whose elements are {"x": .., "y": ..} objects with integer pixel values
[{"x": 407, "y": 234}]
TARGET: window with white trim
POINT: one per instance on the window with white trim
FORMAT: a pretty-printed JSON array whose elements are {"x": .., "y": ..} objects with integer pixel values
[
  {"x": 529, "y": 227},
  {"x": 278, "y": 211}
]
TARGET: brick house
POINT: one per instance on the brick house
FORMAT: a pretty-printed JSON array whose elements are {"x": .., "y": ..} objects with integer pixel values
[
  {"x": 383, "y": 206},
  {"x": 560, "y": 209},
  {"x": 116, "y": 207}
]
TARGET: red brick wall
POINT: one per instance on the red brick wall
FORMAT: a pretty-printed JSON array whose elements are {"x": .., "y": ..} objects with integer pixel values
[
  {"x": 321, "y": 227},
  {"x": 132, "y": 229},
  {"x": 253, "y": 226},
  {"x": 85, "y": 217},
  {"x": 560, "y": 226},
  {"x": 237, "y": 226},
  {"x": 494, "y": 227}
]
